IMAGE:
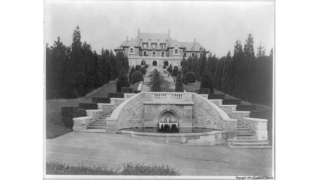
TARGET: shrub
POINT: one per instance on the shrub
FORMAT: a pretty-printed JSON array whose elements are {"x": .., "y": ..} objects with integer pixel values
[
  {"x": 126, "y": 90},
  {"x": 189, "y": 77},
  {"x": 122, "y": 82},
  {"x": 88, "y": 106},
  {"x": 169, "y": 69},
  {"x": 136, "y": 77},
  {"x": 198, "y": 91},
  {"x": 143, "y": 70},
  {"x": 179, "y": 84},
  {"x": 205, "y": 91},
  {"x": 156, "y": 82},
  {"x": 141, "y": 169},
  {"x": 69, "y": 111},
  {"x": 241, "y": 107},
  {"x": 57, "y": 168},
  {"x": 116, "y": 95},
  {"x": 206, "y": 81},
  {"x": 100, "y": 100},
  {"x": 231, "y": 101},
  {"x": 216, "y": 96},
  {"x": 175, "y": 71}
]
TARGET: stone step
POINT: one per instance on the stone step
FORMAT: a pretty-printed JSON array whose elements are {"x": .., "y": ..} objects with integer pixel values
[
  {"x": 95, "y": 130},
  {"x": 245, "y": 133},
  {"x": 96, "y": 127},
  {"x": 100, "y": 121},
  {"x": 251, "y": 147},
  {"x": 238, "y": 143},
  {"x": 98, "y": 124},
  {"x": 243, "y": 129},
  {"x": 246, "y": 140}
]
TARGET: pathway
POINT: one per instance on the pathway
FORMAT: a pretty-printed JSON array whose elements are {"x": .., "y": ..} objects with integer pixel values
[{"x": 146, "y": 86}]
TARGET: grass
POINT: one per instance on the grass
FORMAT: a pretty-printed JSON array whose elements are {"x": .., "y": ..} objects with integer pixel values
[
  {"x": 54, "y": 126},
  {"x": 57, "y": 168}
]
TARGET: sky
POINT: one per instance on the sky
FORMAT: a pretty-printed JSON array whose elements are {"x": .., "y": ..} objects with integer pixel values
[{"x": 215, "y": 24}]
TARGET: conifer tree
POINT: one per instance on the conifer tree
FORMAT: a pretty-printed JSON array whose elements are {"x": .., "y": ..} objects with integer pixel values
[
  {"x": 179, "y": 84},
  {"x": 206, "y": 81}
]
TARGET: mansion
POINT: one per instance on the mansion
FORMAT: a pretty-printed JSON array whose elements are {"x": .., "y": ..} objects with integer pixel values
[{"x": 156, "y": 48}]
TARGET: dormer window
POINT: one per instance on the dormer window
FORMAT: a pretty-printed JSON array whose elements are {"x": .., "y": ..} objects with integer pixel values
[
  {"x": 154, "y": 45},
  {"x": 163, "y": 45},
  {"x": 131, "y": 50}
]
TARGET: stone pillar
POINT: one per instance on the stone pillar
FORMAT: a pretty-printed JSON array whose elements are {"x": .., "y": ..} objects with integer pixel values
[
  {"x": 81, "y": 123},
  {"x": 230, "y": 126},
  {"x": 261, "y": 131},
  {"x": 95, "y": 114}
]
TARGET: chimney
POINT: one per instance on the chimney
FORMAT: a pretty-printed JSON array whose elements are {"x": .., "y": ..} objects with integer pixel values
[
  {"x": 168, "y": 32},
  {"x": 138, "y": 36}
]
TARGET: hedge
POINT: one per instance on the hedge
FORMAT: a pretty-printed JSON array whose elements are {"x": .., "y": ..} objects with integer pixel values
[
  {"x": 205, "y": 91},
  {"x": 68, "y": 113},
  {"x": 116, "y": 95},
  {"x": 58, "y": 168},
  {"x": 231, "y": 101},
  {"x": 241, "y": 107},
  {"x": 100, "y": 100},
  {"x": 126, "y": 90},
  {"x": 198, "y": 91},
  {"x": 216, "y": 96},
  {"x": 88, "y": 105}
]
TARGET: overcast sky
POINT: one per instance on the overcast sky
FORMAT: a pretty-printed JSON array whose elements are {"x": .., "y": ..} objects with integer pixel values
[{"x": 216, "y": 25}]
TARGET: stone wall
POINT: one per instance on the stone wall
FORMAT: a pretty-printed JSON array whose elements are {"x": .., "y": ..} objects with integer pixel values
[
  {"x": 207, "y": 114},
  {"x": 130, "y": 114}
]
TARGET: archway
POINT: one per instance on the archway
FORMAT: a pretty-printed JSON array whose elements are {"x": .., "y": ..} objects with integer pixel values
[
  {"x": 168, "y": 116},
  {"x": 166, "y": 63},
  {"x": 143, "y": 62},
  {"x": 154, "y": 63}
]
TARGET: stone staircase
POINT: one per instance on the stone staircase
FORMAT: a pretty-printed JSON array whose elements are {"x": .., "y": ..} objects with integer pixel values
[
  {"x": 246, "y": 137},
  {"x": 99, "y": 125}
]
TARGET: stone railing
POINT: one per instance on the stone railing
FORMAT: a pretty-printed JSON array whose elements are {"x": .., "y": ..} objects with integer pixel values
[
  {"x": 155, "y": 96},
  {"x": 259, "y": 126}
]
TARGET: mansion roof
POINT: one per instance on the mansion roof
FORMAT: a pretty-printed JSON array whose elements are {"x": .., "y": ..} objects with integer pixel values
[{"x": 160, "y": 38}]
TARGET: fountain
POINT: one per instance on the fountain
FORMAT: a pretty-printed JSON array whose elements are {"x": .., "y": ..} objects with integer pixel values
[{"x": 167, "y": 123}]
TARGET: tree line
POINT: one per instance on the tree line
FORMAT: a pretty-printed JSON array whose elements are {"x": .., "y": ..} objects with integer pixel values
[
  {"x": 73, "y": 71},
  {"x": 244, "y": 75}
]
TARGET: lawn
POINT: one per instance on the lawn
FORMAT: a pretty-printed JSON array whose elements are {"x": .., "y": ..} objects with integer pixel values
[{"x": 54, "y": 126}]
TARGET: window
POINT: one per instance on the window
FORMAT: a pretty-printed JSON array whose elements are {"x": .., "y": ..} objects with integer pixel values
[
  {"x": 176, "y": 51},
  {"x": 162, "y": 53},
  {"x": 185, "y": 54},
  {"x": 131, "y": 50},
  {"x": 145, "y": 45},
  {"x": 163, "y": 45},
  {"x": 154, "y": 53},
  {"x": 145, "y": 53},
  {"x": 154, "y": 46}
]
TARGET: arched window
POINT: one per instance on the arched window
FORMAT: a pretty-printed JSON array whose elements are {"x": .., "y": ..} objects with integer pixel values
[{"x": 154, "y": 63}]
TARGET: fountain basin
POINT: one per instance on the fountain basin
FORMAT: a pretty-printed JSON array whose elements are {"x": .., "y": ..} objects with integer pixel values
[{"x": 212, "y": 137}]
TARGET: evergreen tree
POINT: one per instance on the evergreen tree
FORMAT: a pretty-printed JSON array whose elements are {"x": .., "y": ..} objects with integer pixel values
[
  {"x": 56, "y": 56},
  {"x": 179, "y": 84},
  {"x": 132, "y": 70},
  {"x": 206, "y": 81},
  {"x": 156, "y": 82},
  {"x": 226, "y": 73},
  {"x": 122, "y": 81}
]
